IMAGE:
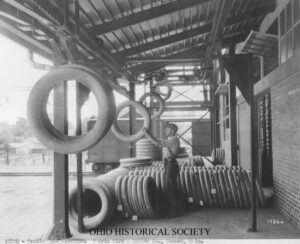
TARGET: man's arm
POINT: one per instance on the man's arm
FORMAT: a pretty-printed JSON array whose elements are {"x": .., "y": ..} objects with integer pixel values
[{"x": 173, "y": 149}]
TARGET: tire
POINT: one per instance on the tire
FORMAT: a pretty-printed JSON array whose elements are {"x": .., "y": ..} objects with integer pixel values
[
  {"x": 149, "y": 183},
  {"x": 96, "y": 220},
  {"x": 219, "y": 189},
  {"x": 135, "y": 196},
  {"x": 39, "y": 121},
  {"x": 199, "y": 189},
  {"x": 125, "y": 200},
  {"x": 223, "y": 188},
  {"x": 188, "y": 183},
  {"x": 138, "y": 135},
  {"x": 130, "y": 196},
  {"x": 239, "y": 189},
  {"x": 215, "y": 196},
  {"x": 208, "y": 188},
  {"x": 163, "y": 95},
  {"x": 244, "y": 189},
  {"x": 140, "y": 199},
  {"x": 194, "y": 189},
  {"x": 118, "y": 189},
  {"x": 160, "y": 102},
  {"x": 203, "y": 188},
  {"x": 233, "y": 189},
  {"x": 228, "y": 189}
]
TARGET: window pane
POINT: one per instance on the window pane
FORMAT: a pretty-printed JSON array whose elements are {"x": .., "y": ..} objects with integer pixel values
[
  {"x": 288, "y": 16},
  {"x": 289, "y": 44},
  {"x": 296, "y": 8},
  {"x": 282, "y": 23},
  {"x": 297, "y": 38},
  {"x": 283, "y": 50}
]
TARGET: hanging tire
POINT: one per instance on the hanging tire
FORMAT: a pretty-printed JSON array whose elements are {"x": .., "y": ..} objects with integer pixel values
[
  {"x": 159, "y": 100},
  {"x": 39, "y": 121},
  {"x": 138, "y": 135},
  {"x": 165, "y": 96}
]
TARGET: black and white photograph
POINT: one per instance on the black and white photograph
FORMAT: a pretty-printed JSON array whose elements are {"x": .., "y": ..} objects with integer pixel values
[{"x": 149, "y": 121}]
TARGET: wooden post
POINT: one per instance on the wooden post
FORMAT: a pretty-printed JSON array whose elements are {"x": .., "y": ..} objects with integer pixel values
[
  {"x": 253, "y": 227},
  {"x": 232, "y": 110},
  {"x": 132, "y": 118},
  {"x": 212, "y": 113},
  {"x": 60, "y": 170},
  {"x": 79, "y": 161}
]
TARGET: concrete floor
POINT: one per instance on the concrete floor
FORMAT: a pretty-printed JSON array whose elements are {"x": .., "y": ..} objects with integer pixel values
[{"x": 26, "y": 212}]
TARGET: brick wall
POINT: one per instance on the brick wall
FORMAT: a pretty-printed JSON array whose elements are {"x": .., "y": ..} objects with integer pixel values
[{"x": 285, "y": 97}]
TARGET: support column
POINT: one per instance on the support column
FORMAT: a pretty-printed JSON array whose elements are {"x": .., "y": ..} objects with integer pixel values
[
  {"x": 213, "y": 122},
  {"x": 60, "y": 170},
  {"x": 132, "y": 118},
  {"x": 233, "y": 126},
  {"x": 232, "y": 110},
  {"x": 79, "y": 160},
  {"x": 253, "y": 227}
]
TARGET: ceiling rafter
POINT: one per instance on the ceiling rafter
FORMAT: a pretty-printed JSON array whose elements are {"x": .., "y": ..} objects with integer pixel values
[
  {"x": 144, "y": 16},
  {"x": 254, "y": 13},
  {"x": 195, "y": 52}
]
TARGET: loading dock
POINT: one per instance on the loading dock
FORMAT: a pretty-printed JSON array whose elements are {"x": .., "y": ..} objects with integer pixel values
[{"x": 240, "y": 56}]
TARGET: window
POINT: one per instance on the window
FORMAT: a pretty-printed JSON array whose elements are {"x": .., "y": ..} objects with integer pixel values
[
  {"x": 296, "y": 10},
  {"x": 297, "y": 37},
  {"x": 289, "y": 44},
  {"x": 282, "y": 22},
  {"x": 289, "y": 20},
  {"x": 283, "y": 50},
  {"x": 289, "y": 16}
]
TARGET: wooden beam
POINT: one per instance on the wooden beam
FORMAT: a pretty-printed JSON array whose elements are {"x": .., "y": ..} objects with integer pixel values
[
  {"x": 222, "y": 9},
  {"x": 142, "y": 16},
  {"x": 23, "y": 36},
  {"x": 165, "y": 41},
  {"x": 194, "y": 108},
  {"x": 204, "y": 29},
  {"x": 199, "y": 51},
  {"x": 190, "y": 103},
  {"x": 162, "y": 60}
]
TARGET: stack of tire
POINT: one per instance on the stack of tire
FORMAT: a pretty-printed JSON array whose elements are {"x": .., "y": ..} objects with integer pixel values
[
  {"x": 210, "y": 187},
  {"x": 219, "y": 187},
  {"x": 157, "y": 173},
  {"x": 146, "y": 149},
  {"x": 137, "y": 195},
  {"x": 196, "y": 160},
  {"x": 218, "y": 156}
]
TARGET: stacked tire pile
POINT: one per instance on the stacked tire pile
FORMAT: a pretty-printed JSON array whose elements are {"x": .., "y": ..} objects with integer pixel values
[
  {"x": 156, "y": 173},
  {"x": 137, "y": 195},
  {"x": 210, "y": 187},
  {"x": 218, "y": 156},
  {"x": 196, "y": 160},
  {"x": 218, "y": 187},
  {"x": 145, "y": 148}
]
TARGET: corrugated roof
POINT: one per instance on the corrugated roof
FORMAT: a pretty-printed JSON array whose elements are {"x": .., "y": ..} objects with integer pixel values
[{"x": 141, "y": 28}]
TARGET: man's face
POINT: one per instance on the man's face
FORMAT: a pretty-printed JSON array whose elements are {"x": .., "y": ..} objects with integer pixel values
[{"x": 168, "y": 131}]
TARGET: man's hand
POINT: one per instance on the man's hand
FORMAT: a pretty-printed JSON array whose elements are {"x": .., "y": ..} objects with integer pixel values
[{"x": 167, "y": 153}]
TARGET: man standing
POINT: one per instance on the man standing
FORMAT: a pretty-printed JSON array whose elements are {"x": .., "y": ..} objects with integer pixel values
[{"x": 170, "y": 150}]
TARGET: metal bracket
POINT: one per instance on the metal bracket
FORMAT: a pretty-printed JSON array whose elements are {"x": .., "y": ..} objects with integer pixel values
[{"x": 38, "y": 65}]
